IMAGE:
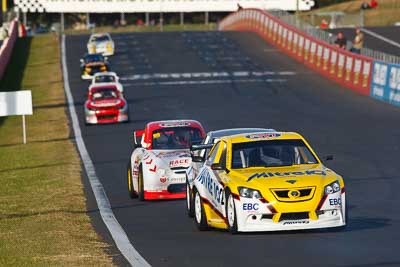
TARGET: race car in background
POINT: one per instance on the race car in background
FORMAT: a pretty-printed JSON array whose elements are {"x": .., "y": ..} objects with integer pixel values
[
  {"x": 100, "y": 43},
  {"x": 158, "y": 164},
  {"x": 199, "y": 153},
  {"x": 92, "y": 64},
  {"x": 105, "y": 104},
  {"x": 268, "y": 181},
  {"x": 102, "y": 78}
]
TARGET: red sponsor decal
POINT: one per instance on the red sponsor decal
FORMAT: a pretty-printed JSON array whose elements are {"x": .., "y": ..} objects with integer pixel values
[
  {"x": 153, "y": 169},
  {"x": 149, "y": 162},
  {"x": 163, "y": 179},
  {"x": 179, "y": 162}
]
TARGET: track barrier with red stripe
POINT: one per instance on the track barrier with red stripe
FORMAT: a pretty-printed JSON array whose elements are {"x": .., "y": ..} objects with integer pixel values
[{"x": 348, "y": 69}]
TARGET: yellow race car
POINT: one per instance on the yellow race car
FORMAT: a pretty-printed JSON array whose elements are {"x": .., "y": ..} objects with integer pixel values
[{"x": 268, "y": 181}]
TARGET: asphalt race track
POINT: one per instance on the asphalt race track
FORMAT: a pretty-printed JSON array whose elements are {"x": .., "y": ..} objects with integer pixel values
[{"x": 265, "y": 89}]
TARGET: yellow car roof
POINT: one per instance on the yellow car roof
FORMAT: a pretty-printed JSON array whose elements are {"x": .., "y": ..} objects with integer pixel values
[{"x": 253, "y": 137}]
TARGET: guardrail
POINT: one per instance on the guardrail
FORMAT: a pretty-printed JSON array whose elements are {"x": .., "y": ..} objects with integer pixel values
[
  {"x": 363, "y": 74},
  {"x": 7, "y": 47},
  {"x": 329, "y": 38},
  {"x": 351, "y": 70}
]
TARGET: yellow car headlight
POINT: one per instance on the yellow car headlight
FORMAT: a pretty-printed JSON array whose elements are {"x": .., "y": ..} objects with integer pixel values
[
  {"x": 109, "y": 47},
  {"x": 249, "y": 192}
]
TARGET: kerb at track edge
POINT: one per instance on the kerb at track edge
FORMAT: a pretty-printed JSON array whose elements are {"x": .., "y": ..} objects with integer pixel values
[{"x": 118, "y": 234}]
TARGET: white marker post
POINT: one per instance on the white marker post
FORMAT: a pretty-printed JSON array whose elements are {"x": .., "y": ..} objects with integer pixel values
[{"x": 16, "y": 103}]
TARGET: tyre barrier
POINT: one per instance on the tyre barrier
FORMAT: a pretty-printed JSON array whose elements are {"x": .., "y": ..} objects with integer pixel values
[
  {"x": 353, "y": 71},
  {"x": 7, "y": 47}
]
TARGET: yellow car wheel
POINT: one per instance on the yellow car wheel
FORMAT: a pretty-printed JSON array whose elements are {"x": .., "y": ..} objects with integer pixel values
[
  {"x": 199, "y": 213},
  {"x": 230, "y": 208}
]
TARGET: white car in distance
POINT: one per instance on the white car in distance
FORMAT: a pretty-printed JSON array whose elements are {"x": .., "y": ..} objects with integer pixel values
[
  {"x": 101, "y": 43},
  {"x": 103, "y": 78}
]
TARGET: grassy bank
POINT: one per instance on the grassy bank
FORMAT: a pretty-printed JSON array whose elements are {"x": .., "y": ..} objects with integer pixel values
[{"x": 43, "y": 218}]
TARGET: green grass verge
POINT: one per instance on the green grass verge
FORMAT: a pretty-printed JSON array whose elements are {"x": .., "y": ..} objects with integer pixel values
[
  {"x": 134, "y": 28},
  {"x": 43, "y": 216}
]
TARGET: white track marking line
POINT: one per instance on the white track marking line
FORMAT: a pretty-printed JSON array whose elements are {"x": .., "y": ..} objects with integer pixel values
[
  {"x": 203, "y": 82},
  {"x": 376, "y": 35},
  {"x": 188, "y": 75},
  {"x": 116, "y": 231}
]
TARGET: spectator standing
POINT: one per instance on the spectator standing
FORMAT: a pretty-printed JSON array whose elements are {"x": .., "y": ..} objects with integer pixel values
[
  {"x": 364, "y": 5},
  {"x": 340, "y": 41},
  {"x": 370, "y": 5},
  {"x": 358, "y": 42},
  {"x": 373, "y": 4},
  {"x": 324, "y": 24}
]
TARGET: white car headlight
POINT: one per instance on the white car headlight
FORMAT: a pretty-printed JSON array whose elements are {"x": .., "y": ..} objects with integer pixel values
[
  {"x": 249, "y": 193},
  {"x": 332, "y": 188}
]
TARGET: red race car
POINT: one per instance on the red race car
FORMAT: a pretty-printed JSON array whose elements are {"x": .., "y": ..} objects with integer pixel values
[{"x": 105, "y": 104}]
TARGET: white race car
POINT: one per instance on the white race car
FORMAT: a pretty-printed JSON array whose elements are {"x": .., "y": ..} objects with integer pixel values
[
  {"x": 101, "y": 43},
  {"x": 158, "y": 164},
  {"x": 103, "y": 78},
  {"x": 199, "y": 153}
]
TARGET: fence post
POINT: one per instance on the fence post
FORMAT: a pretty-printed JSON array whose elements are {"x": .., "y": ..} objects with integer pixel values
[
  {"x": 161, "y": 22},
  {"x": 182, "y": 17},
  {"x": 362, "y": 17},
  {"x": 147, "y": 19},
  {"x": 24, "y": 129},
  {"x": 62, "y": 22}
]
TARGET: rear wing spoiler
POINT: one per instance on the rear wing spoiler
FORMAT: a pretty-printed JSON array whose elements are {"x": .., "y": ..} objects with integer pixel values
[{"x": 136, "y": 135}]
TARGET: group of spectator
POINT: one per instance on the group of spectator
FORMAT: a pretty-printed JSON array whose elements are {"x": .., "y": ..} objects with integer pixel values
[
  {"x": 358, "y": 41},
  {"x": 370, "y": 5},
  {"x": 357, "y": 45}
]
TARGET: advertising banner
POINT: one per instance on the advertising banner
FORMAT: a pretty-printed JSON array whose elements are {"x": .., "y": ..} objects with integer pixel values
[{"x": 385, "y": 85}]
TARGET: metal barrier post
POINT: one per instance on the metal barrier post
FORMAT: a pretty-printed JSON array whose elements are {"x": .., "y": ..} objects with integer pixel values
[
  {"x": 147, "y": 19},
  {"x": 182, "y": 18},
  {"x": 62, "y": 23},
  {"x": 161, "y": 22},
  {"x": 87, "y": 21}
]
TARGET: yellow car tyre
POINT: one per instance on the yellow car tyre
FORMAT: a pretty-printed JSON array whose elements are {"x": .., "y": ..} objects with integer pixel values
[
  {"x": 199, "y": 213},
  {"x": 140, "y": 184},
  {"x": 231, "y": 217},
  {"x": 189, "y": 201},
  {"x": 131, "y": 191}
]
